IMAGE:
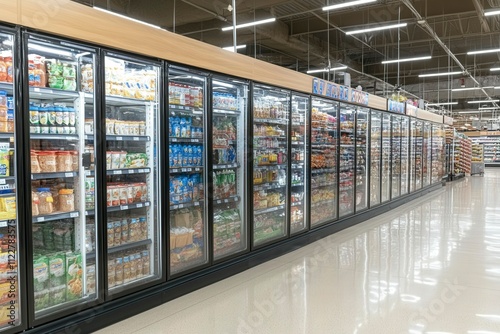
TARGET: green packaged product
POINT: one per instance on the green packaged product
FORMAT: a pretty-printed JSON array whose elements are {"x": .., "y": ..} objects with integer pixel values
[
  {"x": 40, "y": 273},
  {"x": 42, "y": 300},
  {"x": 136, "y": 160},
  {"x": 57, "y": 269},
  {"x": 57, "y": 295},
  {"x": 74, "y": 273}
]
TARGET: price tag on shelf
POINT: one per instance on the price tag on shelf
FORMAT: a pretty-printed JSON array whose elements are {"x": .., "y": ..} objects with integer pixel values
[
  {"x": 140, "y": 205},
  {"x": 226, "y": 201},
  {"x": 146, "y": 204},
  {"x": 136, "y": 138},
  {"x": 124, "y": 207},
  {"x": 195, "y": 140},
  {"x": 180, "y": 206},
  {"x": 175, "y": 140},
  {"x": 3, "y": 223},
  {"x": 40, "y": 219},
  {"x": 196, "y": 203},
  {"x": 68, "y": 174},
  {"x": 219, "y": 201},
  {"x": 117, "y": 172},
  {"x": 119, "y": 138},
  {"x": 3, "y": 181},
  {"x": 74, "y": 214},
  {"x": 184, "y": 170}
]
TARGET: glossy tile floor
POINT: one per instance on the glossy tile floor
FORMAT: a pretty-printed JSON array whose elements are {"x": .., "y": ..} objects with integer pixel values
[{"x": 430, "y": 266}]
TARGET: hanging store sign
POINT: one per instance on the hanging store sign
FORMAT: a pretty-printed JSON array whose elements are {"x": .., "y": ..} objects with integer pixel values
[
  {"x": 330, "y": 89},
  {"x": 397, "y": 107},
  {"x": 359, "y": 97},
  {"x": 447, "y": 120},
  {"x": 411, "y": 110}
]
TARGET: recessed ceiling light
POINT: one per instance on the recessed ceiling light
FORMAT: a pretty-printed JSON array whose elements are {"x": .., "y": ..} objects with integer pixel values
[{"x": 464, "y": 89}]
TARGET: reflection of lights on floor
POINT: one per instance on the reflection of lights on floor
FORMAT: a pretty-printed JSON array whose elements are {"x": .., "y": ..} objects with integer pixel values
[
  {"x": 426, "y": 281},
  {"x": 493, "y": 271},
  {"x": 489, "y": 316},
  {"x": 410, "y": 298},
  {"x": 482, "y": 332}
]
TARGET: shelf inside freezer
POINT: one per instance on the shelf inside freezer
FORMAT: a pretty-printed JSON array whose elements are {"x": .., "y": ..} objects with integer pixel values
[
  {"x": 127, "y": 138},
  {"x": 56, "y": 216},
  {"x": 226, "y": 112},
  {"x": 265, "y": 166},
  {"x": 268, "y": 186},
  {"x": 268, "y": 210},
  {"x": 297, "y": 184},
  {"x": 270, "y": 121},
  {"x": 128, "y": 206},
  {"x": 52, "y": 94},
  {"x": 132, "y": 283},
  {"x": 298, "y": 143},
  {"x": 186, "y": 205},
  {"x": 7, "y": 86},
  {"x": 7, "y": 180},
  {"x": 185, "y": 109},
  {"x": 121, "y": 101},
  {"x": 5, "y": 223},
  {"x": 186, "y": 140},
  {"x": 37, "y": 136},
  {"x": 123, "y": 247},
  {"x": 326, "y": 184},
  {"x": 323, "y": 170},
  {"x": 123, "y": 171},
  {"x": 297, "y": 203},
  {"x": 322, "y": 203},
  {"x": 60, "y": 175},
  {"x": 228, "y": 166},
  {"x": 231, "y": 199},
  {"x": 186, "y": 170},
  {"x": 6, "y": 135},
  {"x": 298, "y": 166}
]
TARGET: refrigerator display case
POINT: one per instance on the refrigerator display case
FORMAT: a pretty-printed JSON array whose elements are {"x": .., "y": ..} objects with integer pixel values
[
  {"x": 62, "y": 104},
  {"x": 133, "y": 230},
  {"x": 300, "y": 140},
  {"x": 418, "y": 154},
  {"x": 347, "y": 160},
  {"x": 427, "y": 154},
  {"x": 271, "y": 120},
  {"x": 187, "y": 160},
  {"x": 362, "y": 157},
  {"x": 375, "y": 157},
  {"x": 438, "y": 152},
  {"x": 386, "y": 158},
  {"x": 396, "y": 157},
  {"x": 10, "y": 255},
  {"x": 324, "y": 141},
  {"x": 229, "y": 108},
  {"x": 405, "y": 155}
]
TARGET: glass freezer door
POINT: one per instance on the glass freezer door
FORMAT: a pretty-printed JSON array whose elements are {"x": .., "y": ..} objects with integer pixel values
[
  {"x": 375, "y": 157},
  {"x": 362, "y": 128},
  {"x": 427, "y": 154},
  {"x": 418, "y": 154},
  {"x": 437, "y": 153},
  {"x": 324, "y": 144},
  {"x": 298, "y": 214},
  {"x": 187, "y": 161},
  {"x": 229, "y": 109},
  {"x": 63, "y": 226},
  {"x": 386, "y": 157},
  {"x": 347, "y": 160},
  {"x": 413, "y": 146},
  {"x": 396, "y": 157},
  {"x": 405, "y": 158},
  {"x": 270, "y": 164},
  {"x": 133, "y": 225},
  {"x": 10, "y": 256}
]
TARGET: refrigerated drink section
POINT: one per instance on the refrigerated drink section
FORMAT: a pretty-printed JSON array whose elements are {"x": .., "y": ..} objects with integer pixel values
[
  {"x": 299, "y": 137},
  {"x": 10, "y": 307},
  {"x": 63, "y": 229},
  {"x": 132, "y": 226},
  {"x": 362, "y": 156},
  {"x": 396, "y": 157},
  {"x": 347, "y": 160},
  {"x": 271, "y": 119},
  {"x": 229, "y": 109},
  {"x": 386, "y": 158},
  {"x": 375, "y": 157},
  {"x": 187, "y": 160}
]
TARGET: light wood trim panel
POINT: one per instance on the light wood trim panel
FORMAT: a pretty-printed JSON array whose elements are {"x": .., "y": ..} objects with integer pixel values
[
  {"x": 377, "y": 102},
  {"x": 428, "y": 116},
  {"x": 9, "y": 11}
]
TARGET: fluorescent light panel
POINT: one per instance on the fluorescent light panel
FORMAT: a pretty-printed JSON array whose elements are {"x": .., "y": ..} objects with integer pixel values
[
  {"x": 495, "y": 69},
  {"x": 231, "y": 48},
  {"x": 443, "y": 104},
  {"x": 249, "y": 24},
  {"x": 438, "y": 74},
  {"x": 483, "y": 101},
  {"x": 333, "y": 69},
  {"x": 482, "y": 51},
  {"x": 489, "y": 108},
  {"x": 465, "y": 89},
  {"x": 128, "y": 18},
  {"x": 405, "y": 60},
  {"x": 347, "y": 4},
  {"x": 361, "y": 31},
  {"x": 493, "y": 12}
]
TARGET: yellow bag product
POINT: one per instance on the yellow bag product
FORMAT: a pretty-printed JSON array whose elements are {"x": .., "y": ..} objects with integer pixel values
[
  {"x": 10, "y": 204},
  {"x": 4, "y": 163}
]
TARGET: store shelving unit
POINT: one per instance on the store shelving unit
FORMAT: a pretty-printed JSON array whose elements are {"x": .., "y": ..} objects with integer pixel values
[
  {"x": 477, "y": 164},
  {"x": 491, "y": 148}
]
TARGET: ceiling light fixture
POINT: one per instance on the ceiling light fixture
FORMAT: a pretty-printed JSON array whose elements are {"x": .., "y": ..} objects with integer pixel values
[
  {"x": 493, "y": 12},
  {"x": 362, "y": 31},
  {"x": 327, "y": 70},
  {"x": 488, "y": 108},
  {"x": 347, "y": 4},
  {"x": 482, "y": 51},
  {"x": 465, "y": 89},
  {"x": 249, "y": 24},
  {"x": 483, "y": 101},
  {"x": 231, "y": 48},
  {"x": 405, "y": 60},
  {"x": 438, "y": 74},
  {"x": 128, "y": 18},
  {"x": 442, "y": 104},
  {"x": 495, "y": 69}
]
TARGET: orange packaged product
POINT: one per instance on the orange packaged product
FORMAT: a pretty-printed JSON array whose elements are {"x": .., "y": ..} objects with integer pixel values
[
  {"x": 35, "y": 166},
  {"x": 8, "y": 65},
  {"x": 3, "y": 70}
]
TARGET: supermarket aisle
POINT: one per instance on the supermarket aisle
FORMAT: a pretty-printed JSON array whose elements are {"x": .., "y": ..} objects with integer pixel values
[{"x": 431, "y": 266}]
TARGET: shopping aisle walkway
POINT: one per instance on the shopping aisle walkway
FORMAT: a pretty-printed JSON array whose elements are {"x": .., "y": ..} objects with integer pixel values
[{"x": 431, "y": 266}]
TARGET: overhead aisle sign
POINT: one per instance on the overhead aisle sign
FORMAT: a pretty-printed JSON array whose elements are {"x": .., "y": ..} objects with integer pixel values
[{"x": 339, "y": 92}]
